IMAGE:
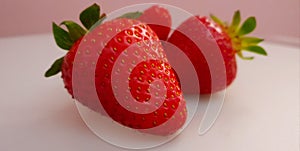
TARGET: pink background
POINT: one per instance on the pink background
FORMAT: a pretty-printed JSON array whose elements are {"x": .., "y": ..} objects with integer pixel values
[{"x": 278, "y": 20}]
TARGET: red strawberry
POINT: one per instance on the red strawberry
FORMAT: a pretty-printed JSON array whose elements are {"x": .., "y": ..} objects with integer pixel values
[
  {"x": 159, "y": 19},
  {"x": 129, "y": 76},
  {"x": 194, "y": 34}
]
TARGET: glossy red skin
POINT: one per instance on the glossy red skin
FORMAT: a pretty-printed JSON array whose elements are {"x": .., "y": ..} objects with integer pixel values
[
  {"x": 67, "y": 67},
  {"x": 197, "y": 58},
  {"x": 159, "y": 19},
  {"x": 174, "y": 111}
]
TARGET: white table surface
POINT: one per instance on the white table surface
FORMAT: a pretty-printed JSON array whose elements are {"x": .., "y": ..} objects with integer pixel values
[{"x": 260, "y": 113}]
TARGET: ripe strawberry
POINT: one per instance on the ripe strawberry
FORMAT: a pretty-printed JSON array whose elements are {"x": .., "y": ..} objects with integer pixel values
[
  {"x": 159, "y": 19},
  {"x": 124, "y": 60},
  {"x": 230, "y": 40}
]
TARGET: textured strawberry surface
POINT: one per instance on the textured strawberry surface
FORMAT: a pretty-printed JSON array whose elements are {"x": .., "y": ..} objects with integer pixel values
[
  {"x": 67, "y": 67},
  {"x": 119, "y": 49},
  {"x": 190, "y": 33},
  {"x": 159, "y": 19}
]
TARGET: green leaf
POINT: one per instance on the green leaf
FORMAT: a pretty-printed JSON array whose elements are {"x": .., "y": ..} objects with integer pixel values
[
  {"x": 256, "y": 49},
  {"x": 131, "y": 15},
  {"x": 248, "y": 26},
  {"x": 62, "y": 37},
  {"x": 216, "y": 20},
  {"x": 90, "y": 16},
  {"x": 55, "y": 68},
  {"x": 236, "y": 20},
  {"x": 75, "y": 31},
  {"x": 251, "y": 40},
  {"x": 243, "y": 57},
  {"x": 102, "y": 17}
]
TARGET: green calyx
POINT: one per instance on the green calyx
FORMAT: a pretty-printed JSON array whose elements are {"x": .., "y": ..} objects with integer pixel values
[
  {"x": 55, "y": 67},
  {"x": 65, "y": 38},
  {"x": 237, "y": 33},
  {"x": 131, "y": 15},
  {"x": 89, "y": 18}
]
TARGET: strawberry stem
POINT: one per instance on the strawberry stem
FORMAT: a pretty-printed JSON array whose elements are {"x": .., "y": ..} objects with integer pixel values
[{"x": 237, "y": 34}]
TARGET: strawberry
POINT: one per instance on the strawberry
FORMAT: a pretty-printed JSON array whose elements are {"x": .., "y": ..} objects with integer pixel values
[
  {"x": 123, "y": 61},
  {"x": 200, "y": 32},
  {"x": 159, "y": 19}
]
